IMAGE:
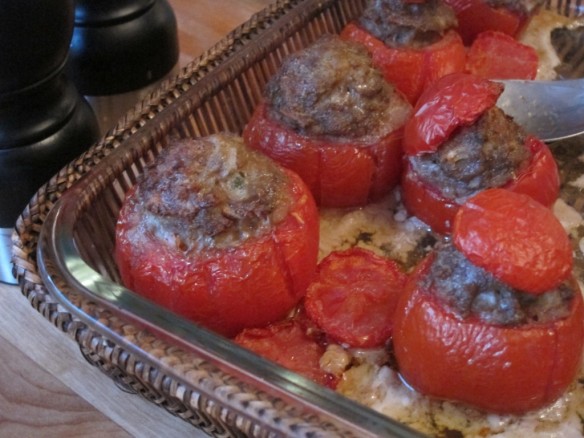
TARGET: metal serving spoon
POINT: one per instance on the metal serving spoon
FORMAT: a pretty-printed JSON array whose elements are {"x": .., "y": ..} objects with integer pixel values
[{"x": 551, "y": 110}]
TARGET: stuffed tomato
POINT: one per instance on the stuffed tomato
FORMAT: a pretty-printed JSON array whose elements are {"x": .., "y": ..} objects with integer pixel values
[
  {"x": 458, "y": 143},
  {"x": 412, "y": 42},
  {"x": 495, "y": 319},
  {"x": 219, "y": 234},
  {"x": 329, "y": 116}
]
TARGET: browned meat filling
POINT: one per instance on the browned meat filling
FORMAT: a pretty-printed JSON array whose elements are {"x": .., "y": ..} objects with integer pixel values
[
  {"x": 212, "y": 192},
  {"x": 332, "y": 89},
  {"x": 471, "y": 291},
  {"x": 400, "y": 23},
  {"x": 487, "y": 154}
]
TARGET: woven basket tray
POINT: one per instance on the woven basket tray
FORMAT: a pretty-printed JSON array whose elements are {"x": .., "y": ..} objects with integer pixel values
[{"x": 204, "y": 379}]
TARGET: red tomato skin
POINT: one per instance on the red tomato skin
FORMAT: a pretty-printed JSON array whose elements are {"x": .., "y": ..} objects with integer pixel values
[
  {"x": 505, "y": 370},
  {"x": 337, "y": 174},
  {"x": 426, "y": 203},
  {"x": 287, "y": 343},
  {"x": 454, "y": 100},
  {"x": 515, "y": 238},
  {"x": 353, "y": 297},
  {"x": 496, "y": 55},
  {"x": 225, "y": 290},
  {"x": 476, "y": 16},
  {"x": 540, "y": 180},
  {"x": 412, "y": 70}
]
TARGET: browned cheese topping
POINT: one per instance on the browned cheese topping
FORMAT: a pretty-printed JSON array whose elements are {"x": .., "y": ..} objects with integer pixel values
[
  {"x": 399, "y": 23},
  {"x": 486, "y": 154},
  {"x": 471, "y": 291},
  {"x": 212, "y": 192},
  {"x": 331, "y": 89}
]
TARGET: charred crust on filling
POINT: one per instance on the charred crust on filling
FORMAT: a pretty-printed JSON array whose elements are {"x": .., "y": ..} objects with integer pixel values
[
  {"x": 486, "y": 154},
  {"x": 400, "y": 23},
  {"x": 470, "y": 291},
  {"x": 331, "y": 89},
  {"x": 211, "y": 192}
]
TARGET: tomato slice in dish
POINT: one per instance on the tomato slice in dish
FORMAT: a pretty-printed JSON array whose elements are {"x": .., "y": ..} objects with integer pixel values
[
  {"x": 501, "y": 369},
  {"x": 253, "y": 283},
  {"x": 539, "y": 180},
  {"x": 452, "y": 101},
  {"x": 288, "y": 344},
  {"x": 354, "y": 296},
  {"x": 411, "y": 70},
  {"x": 515, "y": 238},
  {"x": 343, "y": 174},
  {"x": 496, "y": 55},
  {"x": 477, "y": 16}
]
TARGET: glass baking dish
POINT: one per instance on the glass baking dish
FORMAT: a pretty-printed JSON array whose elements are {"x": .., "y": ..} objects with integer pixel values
[{"x": 216, "y": 385}]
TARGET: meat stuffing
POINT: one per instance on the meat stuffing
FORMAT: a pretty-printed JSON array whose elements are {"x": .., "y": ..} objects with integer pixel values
[
  {"x": 399, "y": 23},
  {"x": 212, "y": 192},
  {"x": 486, "y": 154},
  {"x": 471, "y": 291},
  {"x": 331, "y": 89}
]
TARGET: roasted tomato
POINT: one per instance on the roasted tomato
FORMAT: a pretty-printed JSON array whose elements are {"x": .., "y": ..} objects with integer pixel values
[
  {"x": 354, "y": 296},
  {"x": 329, "y": 115},
  {"x": 488, "y": 227},
  {"x": 494, "y": 368},
  {"x": 454, "y": 100},
  {"x": 337, "y": 174},
  {"x": 476, "y": 16},
  {"x": 412, "y": 69},
  {"x": 463, "y": 335},
  {"x": 540, "y": 180},
  {"x": 219, "y": 234},
  {"x": 495, "y": 55},
  {"x": 289, "y": 344},
  {"x": 451, "y": 118}
]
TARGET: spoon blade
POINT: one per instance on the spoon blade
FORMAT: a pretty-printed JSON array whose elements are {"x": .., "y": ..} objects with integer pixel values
[{"x": 551, "y": 110}]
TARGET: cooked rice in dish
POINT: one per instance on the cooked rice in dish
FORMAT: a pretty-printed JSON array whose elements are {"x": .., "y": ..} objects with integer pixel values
[{"x": 383, "y": 227}]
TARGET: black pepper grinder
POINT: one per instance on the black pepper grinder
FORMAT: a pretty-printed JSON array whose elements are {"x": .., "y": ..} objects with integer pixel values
[
  {"x": 120, "y": 52},
  {"x": 44, "y": 121}
]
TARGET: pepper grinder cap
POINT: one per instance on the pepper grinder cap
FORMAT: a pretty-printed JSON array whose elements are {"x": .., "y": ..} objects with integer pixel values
[
  {"x": 35, "y": 39},
  {"x": 121, "y": 45}
]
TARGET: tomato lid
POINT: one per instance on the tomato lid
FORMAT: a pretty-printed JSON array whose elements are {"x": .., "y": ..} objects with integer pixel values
[
  {"x": 497, "y": 55},
  {"x": 453, "y": 100},
  {"x": 515, "y": 238}
]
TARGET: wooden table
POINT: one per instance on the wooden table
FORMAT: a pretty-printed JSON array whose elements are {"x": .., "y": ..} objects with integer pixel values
[{"x": 47, "y": 389}]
